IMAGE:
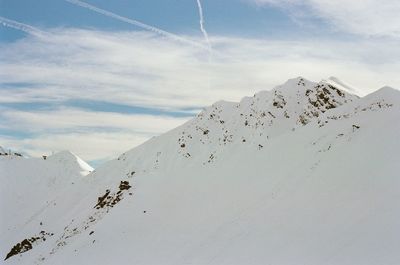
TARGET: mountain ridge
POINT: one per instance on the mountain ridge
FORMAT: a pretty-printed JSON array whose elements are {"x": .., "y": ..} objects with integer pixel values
[{"x": 304, "y": 173}]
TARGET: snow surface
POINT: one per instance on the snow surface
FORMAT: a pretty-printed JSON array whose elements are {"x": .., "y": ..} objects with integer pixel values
[{"x": 303, "y": 174}]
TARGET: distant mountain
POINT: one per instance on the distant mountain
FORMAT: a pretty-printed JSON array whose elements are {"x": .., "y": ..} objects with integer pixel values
[{"x": 307, "y": 173}]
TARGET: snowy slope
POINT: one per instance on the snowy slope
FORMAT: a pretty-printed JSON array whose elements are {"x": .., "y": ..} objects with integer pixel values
[
  {"x": 306, "y": 173},
  {"x": 32, "y": 189}
]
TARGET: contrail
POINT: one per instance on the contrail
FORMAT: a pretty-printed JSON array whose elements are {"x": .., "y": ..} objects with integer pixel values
[
  {"x": 136, "y": 23},
  {"x": 202, "y": 28},
  {"x": 21, "y": 26}
]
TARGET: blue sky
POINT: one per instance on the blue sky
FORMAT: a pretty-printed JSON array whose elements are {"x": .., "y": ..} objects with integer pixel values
[
  {"x": 228, "y": 17},
  {"x": 99, "y": 86}
]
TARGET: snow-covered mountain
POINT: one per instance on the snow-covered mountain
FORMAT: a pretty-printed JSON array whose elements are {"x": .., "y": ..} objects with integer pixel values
[{"x": 306, "y": 173}]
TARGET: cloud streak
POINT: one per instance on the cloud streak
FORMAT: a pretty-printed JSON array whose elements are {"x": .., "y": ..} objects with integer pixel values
[
  {"x": 202, "y": 28},
  {"x": 75, "y": 118},
  {"x": 136, "y": 23},
  {"x": 21, "y": 26}
]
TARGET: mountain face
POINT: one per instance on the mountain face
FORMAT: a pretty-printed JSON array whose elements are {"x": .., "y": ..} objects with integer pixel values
[{"x": 306, "y": 173}]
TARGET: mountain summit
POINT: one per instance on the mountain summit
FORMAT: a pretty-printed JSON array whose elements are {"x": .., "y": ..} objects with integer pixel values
[{"x": 306, "y": 173}]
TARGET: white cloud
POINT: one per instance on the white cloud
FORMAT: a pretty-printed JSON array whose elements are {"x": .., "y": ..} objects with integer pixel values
[
  {"x": 365, "y": 17},
  {"x": 70, "y": 118},
  {"x": 138, "y": 69}
]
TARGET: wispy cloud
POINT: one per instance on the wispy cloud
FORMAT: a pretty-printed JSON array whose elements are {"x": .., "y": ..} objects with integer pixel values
[
  {"x": 74, "y": 119},
  {"x": 364, "y": 17},
  {"x": 141, "y": 70}
]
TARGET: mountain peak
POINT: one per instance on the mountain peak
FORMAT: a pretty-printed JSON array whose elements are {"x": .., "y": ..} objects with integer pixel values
[
  {"x": 295, "y": 82},
  {"x": 388, "y": 90},
  {"x": 385, "y": 94},
  {"x": 71, "y": 160}
]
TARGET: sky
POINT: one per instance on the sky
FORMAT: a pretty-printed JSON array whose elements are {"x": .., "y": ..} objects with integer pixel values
[{"x": 101, "y": 77}]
